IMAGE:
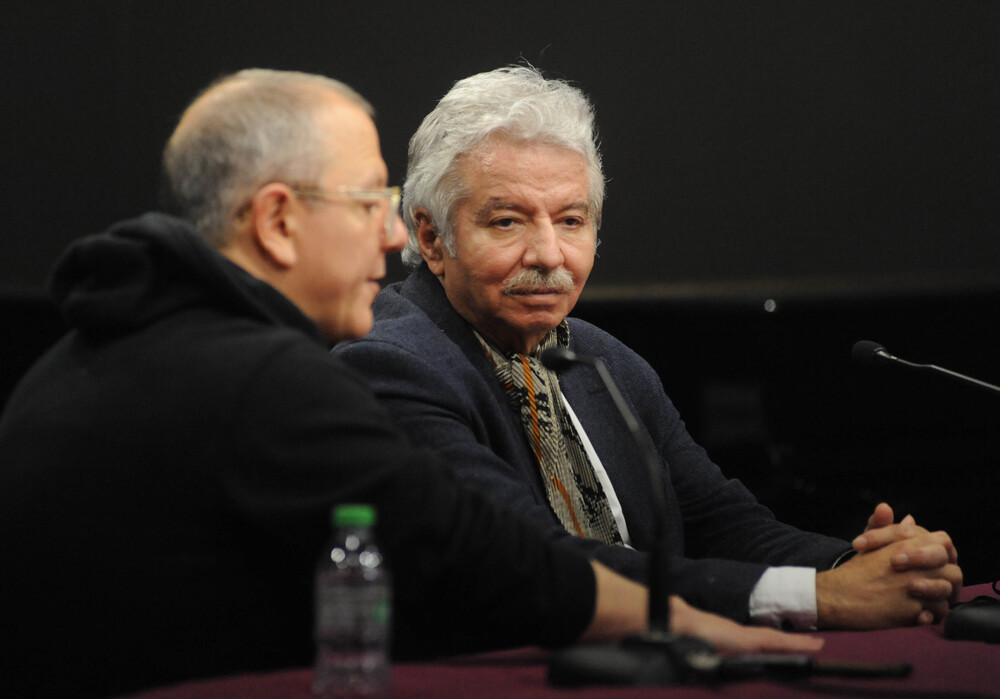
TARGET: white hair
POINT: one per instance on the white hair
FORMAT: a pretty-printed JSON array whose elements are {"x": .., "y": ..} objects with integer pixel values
[
  {"x": 256, "y": 126},
  {"x": 515, "y": 102}
]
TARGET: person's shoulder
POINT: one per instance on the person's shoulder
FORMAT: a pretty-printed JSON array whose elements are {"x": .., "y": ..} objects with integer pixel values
[
  {"x": 399, "y": 322},
  {"x": 289, "y": 359},
  {"x": 593, "y": 340},
  {"x": 624, "y": 363},
  {"x": 391, "y": 304}
]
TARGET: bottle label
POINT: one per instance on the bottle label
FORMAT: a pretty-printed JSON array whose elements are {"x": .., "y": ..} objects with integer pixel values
[{"x": 351, "y": 613}]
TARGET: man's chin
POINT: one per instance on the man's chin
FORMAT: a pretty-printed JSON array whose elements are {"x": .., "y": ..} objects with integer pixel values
[{"x": 354, "y": 329}]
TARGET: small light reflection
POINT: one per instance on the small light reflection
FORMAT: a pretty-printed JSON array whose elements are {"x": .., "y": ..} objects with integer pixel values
[
  {"x": 370, "y": 559},
  {"x": 770, "y": 305}
]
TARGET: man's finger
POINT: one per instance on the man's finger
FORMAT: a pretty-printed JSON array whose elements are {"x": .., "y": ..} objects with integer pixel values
[
  {"x": 930, "y": 590},
  {"x": 883, "y": 536},
  {"x": 882, "y": 516},
  {"x": 920, "y": 557}
]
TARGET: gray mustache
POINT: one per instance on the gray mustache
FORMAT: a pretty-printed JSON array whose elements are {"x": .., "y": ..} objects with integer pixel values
[{"x": 530, "y": 281}]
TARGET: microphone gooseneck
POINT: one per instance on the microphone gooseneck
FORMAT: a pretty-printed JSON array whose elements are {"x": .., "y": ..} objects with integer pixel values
[
  {"x": 869, "y": 352},
  {"x": 560, "y": 358},
  {"x": 658, "y": 657}
]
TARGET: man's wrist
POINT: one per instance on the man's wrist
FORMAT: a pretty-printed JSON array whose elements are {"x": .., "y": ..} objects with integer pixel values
[{"x": 844, "y": 558}]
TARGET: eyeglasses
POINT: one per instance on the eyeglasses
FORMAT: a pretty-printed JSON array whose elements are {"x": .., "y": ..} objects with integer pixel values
[{"x": 371, "y": 197}]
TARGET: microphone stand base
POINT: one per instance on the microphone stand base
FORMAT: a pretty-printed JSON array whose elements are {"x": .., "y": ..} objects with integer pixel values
[{"x": 648, "y": 660}]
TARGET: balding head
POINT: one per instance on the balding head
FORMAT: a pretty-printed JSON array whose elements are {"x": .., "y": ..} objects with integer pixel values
[{"x": 245, "y": 130}]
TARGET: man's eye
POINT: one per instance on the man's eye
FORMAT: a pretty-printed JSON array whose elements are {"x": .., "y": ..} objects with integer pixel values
[{"x": 506, "y": 222}]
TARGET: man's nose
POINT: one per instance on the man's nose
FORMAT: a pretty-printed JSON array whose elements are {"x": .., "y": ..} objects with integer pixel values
[
  {"x": 396, "y": 235},
  {"x": 542, "y": 248}
]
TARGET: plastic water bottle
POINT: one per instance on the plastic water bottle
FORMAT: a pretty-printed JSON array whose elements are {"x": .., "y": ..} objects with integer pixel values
[{"x": 353, "y": 604}]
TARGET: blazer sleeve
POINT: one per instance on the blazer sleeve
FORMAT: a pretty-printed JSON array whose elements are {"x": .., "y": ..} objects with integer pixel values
[{"x": 721, "y": 518}]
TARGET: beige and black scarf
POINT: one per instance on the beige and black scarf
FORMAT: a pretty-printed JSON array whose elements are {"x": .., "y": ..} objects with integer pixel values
[{"x": 572, "y": 487}]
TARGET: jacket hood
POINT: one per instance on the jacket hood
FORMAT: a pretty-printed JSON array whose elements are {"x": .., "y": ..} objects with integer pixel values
[{"x": 142, "y": 269}]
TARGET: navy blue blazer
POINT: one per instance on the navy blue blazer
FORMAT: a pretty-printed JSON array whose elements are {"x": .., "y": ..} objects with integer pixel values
[{"x": 427, "y": 367}]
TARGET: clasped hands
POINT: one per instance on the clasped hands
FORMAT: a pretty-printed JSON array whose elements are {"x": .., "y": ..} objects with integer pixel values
[{"x": 901, "y": 575}]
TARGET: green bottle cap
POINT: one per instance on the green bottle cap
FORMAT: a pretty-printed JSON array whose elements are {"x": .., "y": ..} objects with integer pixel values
[{"x": 353, "y": 515}]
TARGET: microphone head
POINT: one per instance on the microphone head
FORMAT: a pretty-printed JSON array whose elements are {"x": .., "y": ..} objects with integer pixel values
[
  {"x": 558, "y": 358},
  {"x": 867, "y": 352}
]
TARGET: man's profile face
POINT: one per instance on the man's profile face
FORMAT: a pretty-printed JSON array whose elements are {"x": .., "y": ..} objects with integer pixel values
[
  {"x": 343, "y": 242},
  {"x": 527, "y": 210}
]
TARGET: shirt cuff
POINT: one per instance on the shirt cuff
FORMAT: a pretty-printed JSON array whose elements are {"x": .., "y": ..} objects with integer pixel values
[{"x": 785, "y": 597}]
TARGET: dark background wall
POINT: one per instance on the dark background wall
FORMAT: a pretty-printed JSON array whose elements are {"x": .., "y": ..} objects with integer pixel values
[{"x": 836, "y": 161}]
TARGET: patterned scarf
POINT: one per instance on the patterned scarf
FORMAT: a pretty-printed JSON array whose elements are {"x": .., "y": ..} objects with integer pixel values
[{"x": 572, "y": 488}]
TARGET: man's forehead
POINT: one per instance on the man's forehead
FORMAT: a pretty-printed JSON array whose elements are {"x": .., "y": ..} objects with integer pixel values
[
  {"x": 503, "y": 182},
  {"x": 352, "y": 141},
  {"x": 336, "y": 111}
]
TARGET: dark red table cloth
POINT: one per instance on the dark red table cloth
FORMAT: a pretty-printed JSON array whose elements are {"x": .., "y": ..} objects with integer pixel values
[{"x": 941, "y": 667}]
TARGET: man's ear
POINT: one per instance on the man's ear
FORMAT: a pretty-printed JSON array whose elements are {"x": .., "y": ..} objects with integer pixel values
[
  {"x": 275, "y": 224},
  {"x": 431, "y": 248}
]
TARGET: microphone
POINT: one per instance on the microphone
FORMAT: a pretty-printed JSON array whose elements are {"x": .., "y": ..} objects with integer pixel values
[
  {"x": 559, "y": 358},
  {"x": 978, "y": 619},
  {"x": 658, "y": 657},
  {"x": 869, "y": 352}
]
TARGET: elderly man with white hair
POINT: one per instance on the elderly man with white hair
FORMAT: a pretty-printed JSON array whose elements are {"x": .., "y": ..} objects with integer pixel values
[{"x": 503, "y": 200}]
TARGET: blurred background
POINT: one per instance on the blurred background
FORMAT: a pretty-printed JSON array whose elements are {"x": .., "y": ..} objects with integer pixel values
[{"x": 784, "y": 178}]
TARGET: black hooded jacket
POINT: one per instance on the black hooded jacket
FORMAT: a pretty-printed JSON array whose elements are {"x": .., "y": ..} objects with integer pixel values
[{"x": 166, "y": 475}]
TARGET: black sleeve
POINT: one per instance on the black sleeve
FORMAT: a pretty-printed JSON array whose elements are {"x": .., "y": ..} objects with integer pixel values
[{"x": 466, "y": 576}]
